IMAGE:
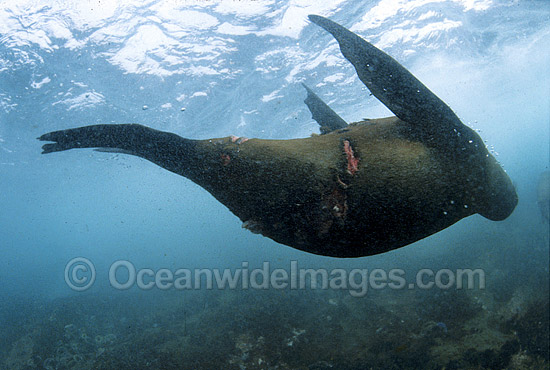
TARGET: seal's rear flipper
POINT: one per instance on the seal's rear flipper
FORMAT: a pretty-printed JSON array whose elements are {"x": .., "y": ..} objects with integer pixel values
[
  {"x": 133, "y": 138},
  {"x": 168, "y": 150},
  {"x": 390, "y": 82},
  {"x": 117, "y": 151},
  {"x": 328, "y": 119}
]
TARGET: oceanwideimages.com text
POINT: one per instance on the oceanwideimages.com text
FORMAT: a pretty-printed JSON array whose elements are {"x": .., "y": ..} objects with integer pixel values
[{"x": 80, "y": 275}]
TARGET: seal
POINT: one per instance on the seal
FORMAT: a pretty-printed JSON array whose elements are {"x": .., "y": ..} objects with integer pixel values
[{"x": 355, "y": 190}]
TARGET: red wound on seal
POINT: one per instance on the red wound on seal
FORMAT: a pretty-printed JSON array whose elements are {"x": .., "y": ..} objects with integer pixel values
[
  {"x": 238, "y": 140},
  {"x": 352, "y": 161}
]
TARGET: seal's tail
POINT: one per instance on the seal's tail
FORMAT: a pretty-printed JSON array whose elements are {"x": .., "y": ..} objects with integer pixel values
[
  {"x": 163, "y": 148},
  {"x": 131, "y": 137}
]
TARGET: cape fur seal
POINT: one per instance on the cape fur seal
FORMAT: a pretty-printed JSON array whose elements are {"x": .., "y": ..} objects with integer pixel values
[{"x": 357, "y": 189}]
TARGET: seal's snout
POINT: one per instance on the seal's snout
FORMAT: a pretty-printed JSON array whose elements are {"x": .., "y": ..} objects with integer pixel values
[{"x": 500, "y": 198}]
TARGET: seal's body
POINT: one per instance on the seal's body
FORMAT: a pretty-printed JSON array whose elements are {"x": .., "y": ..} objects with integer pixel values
[{"x": 356, "y": 190}]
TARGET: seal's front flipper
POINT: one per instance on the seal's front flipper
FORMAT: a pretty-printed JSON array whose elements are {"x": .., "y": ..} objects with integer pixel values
[
  {"x": 390, "y": 82},
  {"x": 328, "y": 119}
]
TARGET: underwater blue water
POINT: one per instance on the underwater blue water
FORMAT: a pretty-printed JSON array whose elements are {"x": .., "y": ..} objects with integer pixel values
[{"x": 212, "y": 69}]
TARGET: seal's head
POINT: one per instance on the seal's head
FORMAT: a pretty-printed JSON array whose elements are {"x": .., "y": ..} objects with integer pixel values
[{"x": 500, "y": 196}]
